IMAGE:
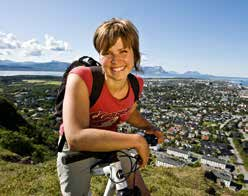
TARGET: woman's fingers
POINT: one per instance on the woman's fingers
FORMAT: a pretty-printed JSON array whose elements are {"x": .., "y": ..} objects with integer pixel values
[
  {"x": 159, "y": 134},
  {"x": 143, "y": 151}
]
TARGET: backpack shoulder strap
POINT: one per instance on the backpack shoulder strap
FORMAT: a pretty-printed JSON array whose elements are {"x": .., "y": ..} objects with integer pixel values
[
  {"x": 135, "y": 86},
  {"x": 98, "y": 81},
  {"x": 61, "y": 91}
]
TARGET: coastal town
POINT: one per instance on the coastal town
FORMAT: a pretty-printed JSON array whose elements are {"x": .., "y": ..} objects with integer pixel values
[{"x": 205, "y": 122}]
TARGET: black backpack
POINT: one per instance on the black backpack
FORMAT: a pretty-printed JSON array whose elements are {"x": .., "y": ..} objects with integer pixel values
[{"x": 98, "y": 81}]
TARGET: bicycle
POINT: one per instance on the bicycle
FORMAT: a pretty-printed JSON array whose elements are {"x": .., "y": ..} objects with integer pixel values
[{"x": 110, "y": 166}]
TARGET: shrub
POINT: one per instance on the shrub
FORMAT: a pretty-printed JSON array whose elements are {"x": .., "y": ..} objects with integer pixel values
[
  {"x": 240, "y": 177},
  {"x": 196, "y": 164},
  {"x": 41, "y": 153},
  {"x": 15, "y": 142}
]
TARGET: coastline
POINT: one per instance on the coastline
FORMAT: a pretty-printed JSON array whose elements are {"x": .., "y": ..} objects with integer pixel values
[{"x": 234, "y": 80}]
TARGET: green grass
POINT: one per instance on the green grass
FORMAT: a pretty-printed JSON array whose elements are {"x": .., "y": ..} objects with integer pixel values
[
  {"x": 178, "y": 181},
  {"x": 45, "y": 82},
  {"x": 20, "y": 179},
  {"x": 209, "y": 124},
  {"x": 242, "y": 154},
  {"x": 41, "y": 179},
  {"x": 16, "y": 85}
]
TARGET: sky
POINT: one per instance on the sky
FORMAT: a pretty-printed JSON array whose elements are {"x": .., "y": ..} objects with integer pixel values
[{"x": 208, "y": 36}]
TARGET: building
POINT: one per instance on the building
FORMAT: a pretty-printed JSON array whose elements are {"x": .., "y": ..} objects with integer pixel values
[
  {"x": 213, "y": 162},
  {"x": 178, "y": 152},
  {"x": 243, "y": 94},
  {"x": 220, "y": 177},
  {"x": 205, "y": 137},
  {"x": 168, "y": 162},
  {"x": 223, "y": 178}
]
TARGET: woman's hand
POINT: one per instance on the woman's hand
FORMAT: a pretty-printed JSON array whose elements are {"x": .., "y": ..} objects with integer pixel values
[
  {"x": 142, "y": 148},
  {"x": 155, "y": 131}
]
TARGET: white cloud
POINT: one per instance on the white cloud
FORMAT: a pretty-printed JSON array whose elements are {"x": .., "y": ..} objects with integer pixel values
[
  {"x": 8, "y": 41},
  {"x": 58, "y": 45},
  {"x": 4, "y": 53},
  {"x": 33, "y": 43},
  {"x": 32, "y": 48},
  {"x": 32, "y": 52},
  {"x": 21, "y": 50},
  {"x": 145, "y": 60},
  {"x": 143, "y": 57}
]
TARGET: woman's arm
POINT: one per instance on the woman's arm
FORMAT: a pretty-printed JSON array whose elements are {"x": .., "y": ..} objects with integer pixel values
[
  {"x": 76, "y": 125},
  {"x": 137, "y": 120}
]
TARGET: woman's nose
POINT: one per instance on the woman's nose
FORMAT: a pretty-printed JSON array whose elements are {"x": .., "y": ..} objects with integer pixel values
[{"x": 115, "y": 59}]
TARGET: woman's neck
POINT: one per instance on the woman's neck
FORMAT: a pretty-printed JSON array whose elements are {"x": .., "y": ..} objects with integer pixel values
[{"x": 118, "y": 89}]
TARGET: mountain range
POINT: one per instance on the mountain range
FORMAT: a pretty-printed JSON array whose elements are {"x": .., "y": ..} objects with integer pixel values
[
  {"x": 158, "y": 71},
  {"x": 147, "y": 71},
  {"x": 6, "y": 65}
]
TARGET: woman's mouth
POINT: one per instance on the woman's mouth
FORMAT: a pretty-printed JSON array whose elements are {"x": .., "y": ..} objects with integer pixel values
[{"x": 118, "y": 69}]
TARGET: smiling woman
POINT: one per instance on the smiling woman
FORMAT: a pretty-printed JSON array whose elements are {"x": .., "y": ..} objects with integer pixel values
[{"x": 94, "y": 127}]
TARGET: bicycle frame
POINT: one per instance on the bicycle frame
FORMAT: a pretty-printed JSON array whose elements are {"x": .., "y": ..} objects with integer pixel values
[{"x": 114, "y": 171}]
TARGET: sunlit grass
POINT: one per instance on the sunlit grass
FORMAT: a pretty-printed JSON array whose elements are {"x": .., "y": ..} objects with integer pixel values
[
  {"x": 41, "y": 179},
  {"x": 45, "y": 82},
  {"x": 242, "y": 154},
  {"x": 20, "y": 179},
  {"x": 210, "y": 124}
]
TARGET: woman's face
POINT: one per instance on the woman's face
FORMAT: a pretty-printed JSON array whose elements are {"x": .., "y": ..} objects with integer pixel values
[{"x": 118, "y": 61}]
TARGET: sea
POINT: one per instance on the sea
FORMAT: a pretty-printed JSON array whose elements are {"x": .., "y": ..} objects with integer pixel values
[
  {"x": 34, "y": 73},
  {"x": 235, "y": 80},
  {"x": 243, "y": 82}
]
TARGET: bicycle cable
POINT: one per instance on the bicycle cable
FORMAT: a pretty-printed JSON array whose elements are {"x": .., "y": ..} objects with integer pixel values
[{"x": 133, "y": 168}]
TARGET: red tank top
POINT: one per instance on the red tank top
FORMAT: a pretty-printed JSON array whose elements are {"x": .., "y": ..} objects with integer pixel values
[{"x": 108, "y": 111}]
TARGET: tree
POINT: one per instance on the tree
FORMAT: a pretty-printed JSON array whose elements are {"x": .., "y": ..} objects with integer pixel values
[{"x": 240, "y": 178}]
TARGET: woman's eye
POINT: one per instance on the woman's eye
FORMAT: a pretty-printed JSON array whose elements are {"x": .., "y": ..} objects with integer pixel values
[{"x": 124, "y": 51}]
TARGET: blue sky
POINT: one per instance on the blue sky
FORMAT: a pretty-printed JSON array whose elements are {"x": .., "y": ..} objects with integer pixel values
[{"x": 209, "y": 36}]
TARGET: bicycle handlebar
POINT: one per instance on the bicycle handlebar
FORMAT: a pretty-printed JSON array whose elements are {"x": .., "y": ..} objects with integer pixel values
[{"x": 78, "y": 156}]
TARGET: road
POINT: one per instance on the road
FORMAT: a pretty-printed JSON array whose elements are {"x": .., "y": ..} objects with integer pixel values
[
  {"x": 240, "y": 162},
  {"x": 226, "y": 122}
]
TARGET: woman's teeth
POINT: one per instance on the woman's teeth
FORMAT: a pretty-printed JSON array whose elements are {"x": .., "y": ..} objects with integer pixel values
[{"x": 116, "y": 69}]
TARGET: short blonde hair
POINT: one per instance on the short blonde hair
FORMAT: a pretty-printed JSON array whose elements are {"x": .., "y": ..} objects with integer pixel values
[{"x": 109, "y": 31}]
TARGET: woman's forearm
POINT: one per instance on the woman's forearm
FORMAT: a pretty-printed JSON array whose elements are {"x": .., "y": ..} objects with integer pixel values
[
  {"x": 137, "y": 120},
  {"x": 99, "y": 140}
]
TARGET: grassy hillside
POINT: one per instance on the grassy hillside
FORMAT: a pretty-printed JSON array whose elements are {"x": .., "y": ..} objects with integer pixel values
[
  {"x": 41, "y": 179},
  {"x": 25, "y": 179}
]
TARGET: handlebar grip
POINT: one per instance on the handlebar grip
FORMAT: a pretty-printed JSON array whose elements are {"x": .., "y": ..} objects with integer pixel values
[{"x": 151, "y": 139}]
